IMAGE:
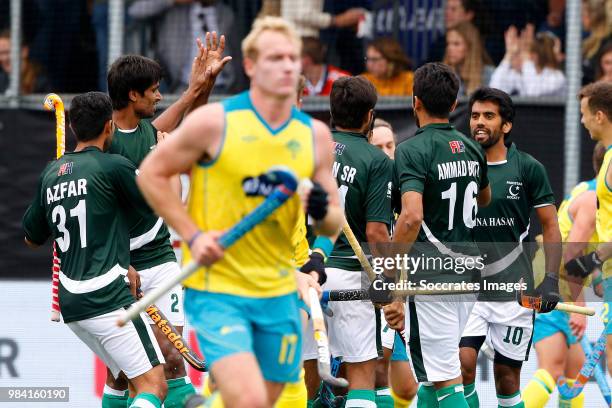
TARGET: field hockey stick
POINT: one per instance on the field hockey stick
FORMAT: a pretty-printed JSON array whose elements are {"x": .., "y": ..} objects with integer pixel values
[
  {"x": 54, "y": 103},
  {"x": 586, "y": 371},
  {"x": 326, "y": 395},
  {"x": 175, "y": 338},
  {"x": 320, "y": 336},
  {"x": 599, "y": 375},
  {"x": 347, "y": 295},
  {"x": 535, "y": 303},
  {"x": 280, "y": 194}
]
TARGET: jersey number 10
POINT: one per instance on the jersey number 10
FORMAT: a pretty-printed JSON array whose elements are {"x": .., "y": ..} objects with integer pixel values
[
  {"x": 59, "y": 217},
  {"x": 470, "y": 206}
]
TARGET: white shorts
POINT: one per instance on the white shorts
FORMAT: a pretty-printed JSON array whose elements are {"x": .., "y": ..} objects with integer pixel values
[
  {"x": 434, "y": 325},
  {"x": 131, "y": 348},
  {"x": 309, "y": 345},
  {"x": 171, "y": 304},
  {"x": 387, "y": 334},
  {"x": 352, "y": 329},
  {"x": 507, "y": 325}
]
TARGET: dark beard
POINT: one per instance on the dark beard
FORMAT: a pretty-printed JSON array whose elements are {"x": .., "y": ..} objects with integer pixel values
[{"x": 491, "y": 141}]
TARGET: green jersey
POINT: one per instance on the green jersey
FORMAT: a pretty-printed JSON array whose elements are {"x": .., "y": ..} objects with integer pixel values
[
  {"x": 149, "y": 236},
  {"x": 518, "y": 185},
  {"x": 449, "y": 170},
  {"x": 83, "y": 201},
  {"x": 364, "y": 175}
]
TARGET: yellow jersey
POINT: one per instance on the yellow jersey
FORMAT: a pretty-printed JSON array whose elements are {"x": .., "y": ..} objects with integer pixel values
[
  {"x": 565, "y": 226},
  {"x": 300, "y": 242},
  {"x": 261, "y": 263},
  {"x": 604, "y": 209}
]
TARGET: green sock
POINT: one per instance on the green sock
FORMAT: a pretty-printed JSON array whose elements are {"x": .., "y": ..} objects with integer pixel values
[
  {"x": 471, "y": 396},
  {"x": 179, "y": 390},
  {"x": 361, "y": 399},
  {"x": 452, "y": 397},
  {"x": 426, "y": 397},
  {"x": 114, "y": 398},
  {"x": 149, "y": 398},
  {"x": 383, "y": 398},
  {"x": 510, "y": 401}
]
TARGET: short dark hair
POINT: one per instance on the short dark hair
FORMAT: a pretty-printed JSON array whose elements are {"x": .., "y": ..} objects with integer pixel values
[
  {"x": 313, "y": 48},
  {"x": 497, "y": 96},
  {"x": 600, "y": 97},
  {"x": 351, "y": 99},
  {"x": 88, "y": 114},
  {"x": 436, "y": 85},
  {"x": 131, "y": 73}
]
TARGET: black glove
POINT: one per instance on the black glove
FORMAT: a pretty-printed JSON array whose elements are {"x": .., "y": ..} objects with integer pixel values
[
  {"x": 317, "y": 202},
  {"x": 549, "y": 291},
  {"x": 316, "y": 263},
  {"x": 582, "y": 266},
  {"x": 379, "y": 290}
]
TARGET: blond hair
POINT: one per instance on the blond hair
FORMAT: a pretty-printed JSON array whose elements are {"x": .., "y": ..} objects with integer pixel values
[
  {"x": 268, "y": 23},
  {"x": 470, "y": 70}
]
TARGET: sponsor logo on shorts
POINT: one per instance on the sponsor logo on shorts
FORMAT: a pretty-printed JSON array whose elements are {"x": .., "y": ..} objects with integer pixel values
[{"x": 231, "y": 329}]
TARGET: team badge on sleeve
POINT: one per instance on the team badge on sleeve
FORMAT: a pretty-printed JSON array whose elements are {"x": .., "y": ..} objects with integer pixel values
[{"x": 456, "y": 146}]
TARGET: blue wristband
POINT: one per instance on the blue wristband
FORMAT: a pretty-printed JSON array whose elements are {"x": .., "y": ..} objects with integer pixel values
[
  {"x": 324, "y": 244},
  {"x": 193, "y": 238}
]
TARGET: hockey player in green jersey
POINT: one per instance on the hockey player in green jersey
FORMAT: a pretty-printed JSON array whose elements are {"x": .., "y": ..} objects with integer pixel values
[
  {"x": 519, "y": 184},
  {"x": 442, "y": 178},
  {"x": 83, "y": 202},
  {"x": 133, "y": 85}
]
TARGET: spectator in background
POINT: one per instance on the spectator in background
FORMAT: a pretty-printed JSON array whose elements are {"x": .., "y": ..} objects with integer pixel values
[
  {"x": 388, "y": 68},
  {"x": 319, "y": 76},
  {"x": 603, "y": 71},
  {"x": 465, "y": 53},
  {"x": 531, "y": 65},
  {"x": 415, "y": 24},
  {"x": 179, "y": 23},
  {"x": 383, "y": 137},
  {"x": 455, "y": 13},
  {"x": 597, "y": 20},
  {"x": 33, "y": 79},
  {"x": 309, "y": 18}
]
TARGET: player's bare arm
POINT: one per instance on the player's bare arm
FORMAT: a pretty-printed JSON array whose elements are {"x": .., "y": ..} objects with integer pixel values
[
  {"x": 583, "y": 211},
  {"x": 176, "y": 155},
  {"x": 332, "y": 222},
  {"x": 551, "y": 235}
]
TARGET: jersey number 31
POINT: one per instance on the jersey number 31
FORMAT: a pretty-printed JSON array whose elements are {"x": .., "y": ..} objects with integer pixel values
[{"x": 59, "y": 217}]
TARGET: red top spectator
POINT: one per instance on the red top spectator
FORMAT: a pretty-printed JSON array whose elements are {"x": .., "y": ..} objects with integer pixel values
[{"x": 319, "y": 76}]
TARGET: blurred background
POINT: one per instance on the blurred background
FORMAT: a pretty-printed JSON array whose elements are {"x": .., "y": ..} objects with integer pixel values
[{"x": 539, "y": 51}]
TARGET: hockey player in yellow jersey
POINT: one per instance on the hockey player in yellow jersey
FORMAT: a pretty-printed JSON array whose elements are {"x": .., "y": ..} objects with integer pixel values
[
  {"x": 596, "y": 109},
  {"x": 556, "y": 334},
  {"x": 243, "y": 301}
]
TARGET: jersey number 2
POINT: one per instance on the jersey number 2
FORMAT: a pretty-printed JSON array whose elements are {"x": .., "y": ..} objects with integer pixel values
[
  {"x": 59, "y": 217},
  {"x": 470, "y": 206}
]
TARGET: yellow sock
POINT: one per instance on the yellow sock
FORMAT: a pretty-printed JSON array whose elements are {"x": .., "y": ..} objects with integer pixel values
[
  {"x": 294, "y": 394},
  {"x": 214, "y": 401},
  {"x": 577, "y": 402},
  {"x": 206, "y": 388},
  {"x": 399, "y": 402},
  {"x": 538, "y": 390}
]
